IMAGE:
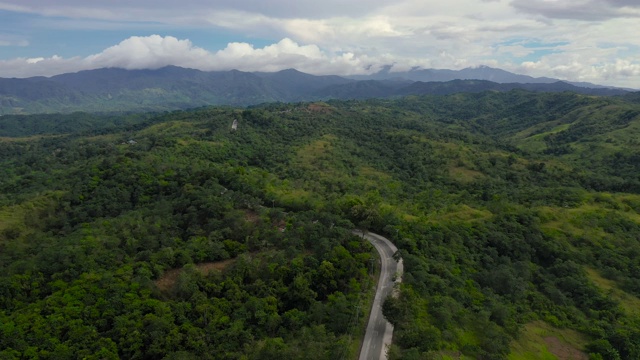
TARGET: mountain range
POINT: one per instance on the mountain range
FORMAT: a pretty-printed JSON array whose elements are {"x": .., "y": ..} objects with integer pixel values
[{"x": 170, "y": 88}]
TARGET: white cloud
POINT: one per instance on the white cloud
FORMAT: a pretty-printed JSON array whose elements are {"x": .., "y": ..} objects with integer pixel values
[
  {"x": 34, "y": 60},
  {"x": 620, "y": 72},
  {"x": 587, "y": 10},
  {"x": 165, "y": 10},
  {"x": 358, "y": 36},
  {"x": 152, "y": 52}
]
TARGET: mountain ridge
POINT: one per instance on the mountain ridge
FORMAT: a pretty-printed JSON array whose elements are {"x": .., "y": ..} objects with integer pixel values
[
  {"x": 482, "y": 72},
  {"x": 173, "y": 87}
]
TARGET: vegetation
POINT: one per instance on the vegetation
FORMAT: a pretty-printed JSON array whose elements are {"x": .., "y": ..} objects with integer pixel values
[{"x": 517, "y": 215}]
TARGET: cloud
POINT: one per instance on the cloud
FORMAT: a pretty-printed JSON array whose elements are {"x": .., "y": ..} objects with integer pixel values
[
  {"x": 336, "y": 37},
  {"x": 559, "y": 59},
  {"x": 34, "y": 60},
  {"x": 586, "y": 10},
  {"x": 164, "y": 10},
  {"x": 153, "y": 52},
  {"x": 582, "y": 67},
  {"x": 149, "y": 52},
  {"x": 40, "y": 66}
]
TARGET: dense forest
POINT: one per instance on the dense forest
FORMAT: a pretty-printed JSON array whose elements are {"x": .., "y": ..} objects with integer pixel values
[{"x": 517, "y": 215}]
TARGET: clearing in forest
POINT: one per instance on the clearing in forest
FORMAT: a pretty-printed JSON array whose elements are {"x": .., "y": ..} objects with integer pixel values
[{"x": 169, "y": 278}]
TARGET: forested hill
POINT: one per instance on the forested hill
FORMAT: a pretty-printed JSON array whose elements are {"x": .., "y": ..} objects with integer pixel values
[
  {"x": 173, "y": 236},
  {"x": 171, "y": 88}
]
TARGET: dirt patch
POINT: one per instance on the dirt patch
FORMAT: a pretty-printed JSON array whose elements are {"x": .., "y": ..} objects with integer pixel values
[
  {"x": 319, "y": 107},
  {"x": 251, "y": 216},
  {"x": 170, "y": 277},
  {"x": 455, "y": 355},
  {"x": 562, "y": 350},
  {"x": 206, "y": 268}
]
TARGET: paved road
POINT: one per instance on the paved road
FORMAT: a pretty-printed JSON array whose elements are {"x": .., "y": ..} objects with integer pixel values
[{"x": 379, "y": 331}]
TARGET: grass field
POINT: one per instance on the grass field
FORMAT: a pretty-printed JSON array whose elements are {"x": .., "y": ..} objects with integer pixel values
[{"x": 541, "y": 341}]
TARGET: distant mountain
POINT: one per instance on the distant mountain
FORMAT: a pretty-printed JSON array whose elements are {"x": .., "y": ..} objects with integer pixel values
[
  {"x": 465, "y": 86},
  {"x": 472, "y": 73},
  {"x": 364, "y": 89},
  {"x": 170, "y": 88},
  {"x": 291, "y": 84},
  {"x": 440, "y": 75},
  {"x": 34, "y": 88}
]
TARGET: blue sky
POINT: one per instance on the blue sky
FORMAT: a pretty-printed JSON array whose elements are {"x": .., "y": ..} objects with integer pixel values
[
  {"x": 576, "y": 40},
  {"x": 36, "y": 35}
]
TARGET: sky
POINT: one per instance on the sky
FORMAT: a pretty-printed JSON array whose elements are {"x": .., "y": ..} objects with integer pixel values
[{"x": 596, "y": 41}]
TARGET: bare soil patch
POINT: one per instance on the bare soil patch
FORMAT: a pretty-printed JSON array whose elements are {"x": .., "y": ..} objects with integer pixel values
[
  {"x": 251, "y": 216},
  {"x": 562, "y": 350},
  {"x": 169, "y": 278},
  {"x": 319, "y": 107}
]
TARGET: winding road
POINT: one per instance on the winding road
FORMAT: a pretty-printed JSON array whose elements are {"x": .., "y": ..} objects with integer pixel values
[{"x": 379, "y": 331}]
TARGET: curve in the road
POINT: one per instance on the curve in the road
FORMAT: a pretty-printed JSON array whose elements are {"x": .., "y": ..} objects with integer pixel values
[{"x": 379, "y": 331}]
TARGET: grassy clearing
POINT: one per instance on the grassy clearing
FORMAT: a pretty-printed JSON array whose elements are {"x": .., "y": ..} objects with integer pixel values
[
  {"x": 370, "y": 173},
  {"x": 462, "y": 213},
  {"x": 582, "y": 221},
  {"x": 534, "y": 132},
  {"x": 529, "y": 140},
  {"x": 321, "y": 158},
  {"x": 170, "y": 128},
  {"x": 309, "y": 153},
  {"x": 464, "y": 175},
  {"x": 449, "y": 355},
  {"x": 286, "y": 195},
  {"x": 29, "y": 138},
  {"x": 13, "y": 216},
  {"x": 629, "y": 303},
  {"x": 624, "y": 137},
  {"x": 541, "y": 341},
  {"x": 190, "y": 141},
  {"x": 368, "y": 179}
]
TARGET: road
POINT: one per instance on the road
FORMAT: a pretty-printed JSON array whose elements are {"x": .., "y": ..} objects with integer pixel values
[{"x": 379, "y": 331}]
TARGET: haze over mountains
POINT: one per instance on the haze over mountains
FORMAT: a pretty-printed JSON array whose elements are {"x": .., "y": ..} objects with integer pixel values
[{"x": 169, "y": 88}]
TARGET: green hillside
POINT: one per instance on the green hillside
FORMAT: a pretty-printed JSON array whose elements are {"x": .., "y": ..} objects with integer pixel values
[{"x": 173, "y": 236}]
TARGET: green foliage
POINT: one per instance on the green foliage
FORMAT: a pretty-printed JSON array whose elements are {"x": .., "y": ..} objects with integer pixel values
[
  {"x": 196, "y": 241},
  {"x": 44, "y": 124}
]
